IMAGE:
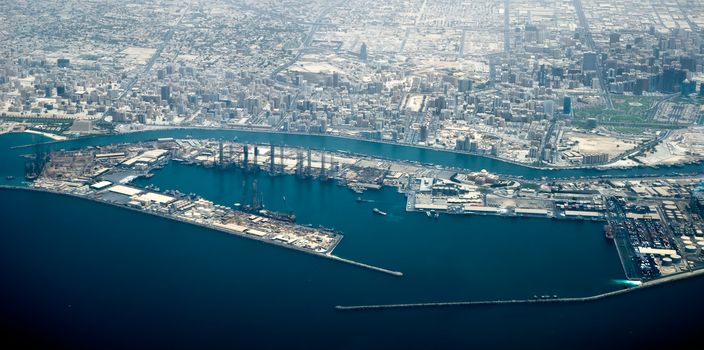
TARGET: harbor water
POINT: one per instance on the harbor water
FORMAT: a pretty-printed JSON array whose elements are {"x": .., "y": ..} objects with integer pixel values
[{"x": 81, "y": 274}]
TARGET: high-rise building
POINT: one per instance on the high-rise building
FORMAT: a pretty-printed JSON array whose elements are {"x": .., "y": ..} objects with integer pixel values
[
  {"x": 166, "y": 93},
  {"x": 423, "y": 133},
  {"x": 63, "y": 62},
  {"x": 598, "y": 158},
  {"x": 614, "y": 38},
  {"x": 589, "y": 61},
  {"x": 464, "y": 85},
  {"x": 363, "y": 52},
  {"x": 507, "y": 43},
  {"x": 549, "y": 108},
  {"x": 567, "y": 105}
]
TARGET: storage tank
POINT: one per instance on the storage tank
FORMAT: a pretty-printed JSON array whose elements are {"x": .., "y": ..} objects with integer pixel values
[
  {"x": 690, "y": 248},
  {"x": 675, "y": 258},
  {"x": 666, "y": 262}
]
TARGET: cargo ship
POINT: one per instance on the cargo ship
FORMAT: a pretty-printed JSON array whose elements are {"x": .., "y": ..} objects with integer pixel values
[
  {"x": 287, "y": 217},
  {"x": 377, "y": 211}
]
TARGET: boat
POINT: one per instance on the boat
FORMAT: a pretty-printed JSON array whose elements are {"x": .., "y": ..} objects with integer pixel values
[
  {"x": 362, "y": 200},
  {"x": 276, "y": 215},
  {"x": 432, "y": 214},
  {"x": 9, "y": 177},
  {"x": 377, "y": 211},
  {"x": 357, "y": 189},
  {"x": 608, "y": 232},
  {"x": 288, "y": 217}
]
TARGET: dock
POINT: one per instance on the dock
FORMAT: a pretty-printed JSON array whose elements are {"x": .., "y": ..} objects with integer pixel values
[{"x": 652, "y": 283}]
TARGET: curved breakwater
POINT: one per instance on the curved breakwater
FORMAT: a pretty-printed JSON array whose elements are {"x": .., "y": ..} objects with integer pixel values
[{"x": 668, "y": 279}]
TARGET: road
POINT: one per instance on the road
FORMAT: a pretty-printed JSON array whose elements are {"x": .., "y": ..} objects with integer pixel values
[
  {"x": 592, "y": 46},
  {"x": 148, "y": 67},
  {"x": 308, "y": 40}
]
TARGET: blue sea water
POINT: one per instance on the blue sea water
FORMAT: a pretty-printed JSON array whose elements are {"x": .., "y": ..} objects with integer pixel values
[{"x": 79, "y": 274}]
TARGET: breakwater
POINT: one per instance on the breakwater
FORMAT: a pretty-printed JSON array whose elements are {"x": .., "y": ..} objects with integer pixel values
[{"x": 592, "y": 298}]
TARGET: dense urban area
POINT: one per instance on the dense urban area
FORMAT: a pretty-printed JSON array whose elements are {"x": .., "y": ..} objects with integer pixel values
[{"x": 552, "y": 83}]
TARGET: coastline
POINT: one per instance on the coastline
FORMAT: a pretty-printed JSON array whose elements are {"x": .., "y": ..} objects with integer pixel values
[{"x": 54, "y": 137}]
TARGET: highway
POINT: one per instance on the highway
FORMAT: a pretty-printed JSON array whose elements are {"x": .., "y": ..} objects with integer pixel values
[{"x": 592, "y": 46}]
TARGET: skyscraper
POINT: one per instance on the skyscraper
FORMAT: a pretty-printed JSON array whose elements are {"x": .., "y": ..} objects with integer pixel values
[
  {"x": 507, "y": 43},
  {"x": 464, "y": 85},
  {"x": 166, "y": 93},
  {"x": 589, "y": 61},
  {"x": 363, "y": 52},
  {"x": 63, "y": 62},
  {"x": 567, "y": 105}
]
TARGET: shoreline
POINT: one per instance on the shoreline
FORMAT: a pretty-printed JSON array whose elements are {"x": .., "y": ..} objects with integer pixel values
[
  {"x": 603, "y": 168},
  {"x": 53, "y": 137},
  {"x": 328, "y": 255}
]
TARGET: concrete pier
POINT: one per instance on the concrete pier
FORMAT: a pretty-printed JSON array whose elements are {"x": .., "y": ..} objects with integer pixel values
[
  {"x": 366, "y": 266},
  {"x": 668, "y": 279}
]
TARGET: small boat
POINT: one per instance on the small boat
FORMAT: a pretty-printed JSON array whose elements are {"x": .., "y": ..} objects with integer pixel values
[
  {"x": 362, "y": 200},
  {"x": 608, "y": 232},
  {"x": 377, "y": 211},
  {"x": 9, "y": 177},
  {"x": 432, "y": 214}
]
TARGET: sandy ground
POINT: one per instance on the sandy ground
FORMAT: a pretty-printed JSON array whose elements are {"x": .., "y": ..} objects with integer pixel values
[
  {"x": 46, "y": 134},
  {"x": 681, "y": 146},
  {"x": 587, "y": 143}
]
